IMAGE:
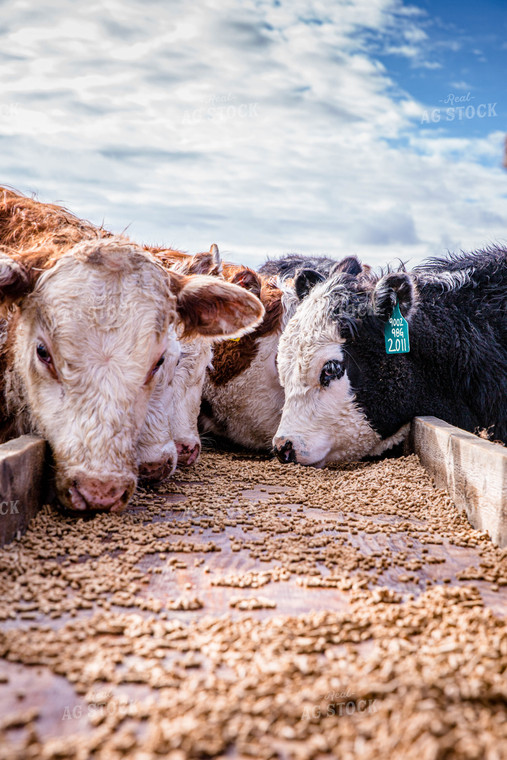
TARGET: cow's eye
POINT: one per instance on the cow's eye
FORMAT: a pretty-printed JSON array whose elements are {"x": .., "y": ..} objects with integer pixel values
[
  {"x": 153, "y": 371},
  {"x": 332, "y": 370},
  {"x": 43, "y": 354}
]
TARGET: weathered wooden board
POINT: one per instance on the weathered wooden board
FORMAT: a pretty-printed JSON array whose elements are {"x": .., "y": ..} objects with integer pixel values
[
  {"x": 21, "y": 483},
  {"x": 472, "y": 470}
]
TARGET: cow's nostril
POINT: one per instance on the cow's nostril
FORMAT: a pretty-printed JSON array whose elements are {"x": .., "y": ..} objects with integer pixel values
[
  {"x": 121, "y": 503},
  {"x": 156, "y": 471},
  {"x": 286, "y": 453},
  {"x": 187, "y": 453}
]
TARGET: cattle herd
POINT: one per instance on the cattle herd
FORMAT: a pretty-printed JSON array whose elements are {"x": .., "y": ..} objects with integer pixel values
[{"x": 121, "y": 355}]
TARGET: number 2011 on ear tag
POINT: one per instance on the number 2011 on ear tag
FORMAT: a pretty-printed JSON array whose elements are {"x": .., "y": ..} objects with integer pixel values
[{"x": 396, "y": 333}]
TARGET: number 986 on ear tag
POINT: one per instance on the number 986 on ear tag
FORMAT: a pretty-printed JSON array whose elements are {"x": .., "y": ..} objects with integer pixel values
[{"x": 396, "y": 333}]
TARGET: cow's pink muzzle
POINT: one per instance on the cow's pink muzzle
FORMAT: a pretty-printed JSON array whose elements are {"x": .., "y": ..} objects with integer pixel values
[
  {"x": 188, "y": 453},
  {"x": 95, "y": 494}
]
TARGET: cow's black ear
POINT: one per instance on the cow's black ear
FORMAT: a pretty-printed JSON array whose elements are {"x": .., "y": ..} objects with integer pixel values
[
  {"x": 390, "y": 288},
  {"x": 305, "y": 280},
  {"x": 349, "y": 265},
  {"x": 15, "y": 281}
]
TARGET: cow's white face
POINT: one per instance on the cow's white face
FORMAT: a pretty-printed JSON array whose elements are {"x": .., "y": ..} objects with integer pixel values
[
  {"x": 185, "y": 398},
  {"x": 93, "y": 346},
  {"x": 320, "y": 421},
  {"x": 175, "y": 404},
  {"x": 156, "y": 449}
]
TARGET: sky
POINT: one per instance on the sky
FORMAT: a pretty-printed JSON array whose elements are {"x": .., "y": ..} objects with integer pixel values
[{"x": 367, "y": 127}]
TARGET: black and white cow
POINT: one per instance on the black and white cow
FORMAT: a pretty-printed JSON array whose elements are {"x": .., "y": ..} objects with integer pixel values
[
  {"x": 346, "y": 398},
  {"x": 242, "y": 396}
]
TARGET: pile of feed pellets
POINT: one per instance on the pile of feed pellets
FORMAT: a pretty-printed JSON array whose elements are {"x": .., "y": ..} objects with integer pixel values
[{"x": 248, "y": 609}]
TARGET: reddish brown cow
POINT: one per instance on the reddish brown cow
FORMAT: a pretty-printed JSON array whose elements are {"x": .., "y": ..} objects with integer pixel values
[
  {"x": 88, "y": 340},
  {"x": 25, "y": 223}
]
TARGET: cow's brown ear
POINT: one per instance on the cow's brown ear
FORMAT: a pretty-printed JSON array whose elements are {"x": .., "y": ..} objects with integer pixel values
[
  {"x": 15, "y": 280},
  {"x": 249, "y": 280},
  {"x": 214, "y": 308},
  {"x": 208, "y": 262}
]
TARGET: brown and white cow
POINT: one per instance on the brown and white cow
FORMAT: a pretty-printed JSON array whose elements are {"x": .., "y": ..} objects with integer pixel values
[
  {"x": 26, "y": 223},
  {"x": 89, "y": 334},
  {"x": 242, "y": 395}
]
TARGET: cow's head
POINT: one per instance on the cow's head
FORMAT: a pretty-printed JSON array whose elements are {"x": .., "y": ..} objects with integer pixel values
[
  {"x": 243, "y": 396},
  {"x": 345, "y": 398},
  {"x": 96, "y": 338},
  {"x": 185, "y": 402},
  {"x": 179, "y": 401},
  {"x": 182, "y": 399}
]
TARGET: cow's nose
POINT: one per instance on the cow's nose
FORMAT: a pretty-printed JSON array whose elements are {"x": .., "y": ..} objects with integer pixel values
[
  {"x": 188, "y": 454},
  {"x": 156, "y": 471},
  {"x": 286, "y": 453},
  {"x": 94, "y": 494}
]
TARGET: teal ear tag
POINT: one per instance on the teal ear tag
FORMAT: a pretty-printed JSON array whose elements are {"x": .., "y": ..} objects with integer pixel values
[{"x": 396, "y": 333}]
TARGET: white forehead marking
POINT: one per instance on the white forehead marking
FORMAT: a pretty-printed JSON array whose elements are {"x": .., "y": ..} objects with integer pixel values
[{"x": 310, "y": 338}]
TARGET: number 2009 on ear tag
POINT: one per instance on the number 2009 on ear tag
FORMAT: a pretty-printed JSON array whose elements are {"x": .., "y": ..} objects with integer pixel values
[{"x": 396, "y": 333}]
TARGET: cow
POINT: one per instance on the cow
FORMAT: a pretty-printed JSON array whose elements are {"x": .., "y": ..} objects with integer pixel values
[
  {"x": 242, "y": 395},
  {"x": 89, "y": 336},
  {"x": 177, "y": 403},
  {"x": 346, "y": 398},
  {"x": 182, "y": 398},
  {"x": 25, "y": 222}
]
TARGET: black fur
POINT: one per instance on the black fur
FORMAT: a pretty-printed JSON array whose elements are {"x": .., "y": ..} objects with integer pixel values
[
  {"x": 457, "y": 365},
  {"x": 348, "y": 265},
  {"x": 308, "y": 271},
  {"x": 288, "y": 266},
  {"x": 396, "y": 286},
  {"x": 305, "y": 280}
]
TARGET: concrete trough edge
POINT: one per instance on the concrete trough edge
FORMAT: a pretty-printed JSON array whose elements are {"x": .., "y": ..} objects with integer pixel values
[
  {"x": 22, "y": 484},
  {"x": 473, "y": 471}
]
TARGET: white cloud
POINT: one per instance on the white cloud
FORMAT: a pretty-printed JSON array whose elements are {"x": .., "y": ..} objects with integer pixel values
[
  {"x": 262, "y": 127},
  {"x": 462, "y": 85},
  {"x": 429, "y": 65}
]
